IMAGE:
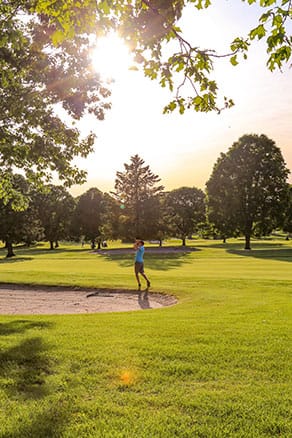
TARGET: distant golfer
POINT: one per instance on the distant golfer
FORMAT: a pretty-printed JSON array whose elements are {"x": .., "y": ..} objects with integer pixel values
[{"x": 139, "y": 263}]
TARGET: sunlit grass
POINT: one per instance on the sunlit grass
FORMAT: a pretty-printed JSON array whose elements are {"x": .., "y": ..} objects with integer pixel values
[{"x": 218, "y": 364}]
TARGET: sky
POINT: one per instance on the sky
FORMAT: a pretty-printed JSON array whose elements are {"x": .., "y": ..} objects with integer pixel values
[{"x": 182, "y": 149}]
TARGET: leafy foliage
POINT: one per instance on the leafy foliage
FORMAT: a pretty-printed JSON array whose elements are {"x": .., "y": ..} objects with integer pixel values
[
  {"x": 288, "y": 213},
  {"x": 138, "y": 193},
  {"x": 90, "y": 215},
  {"x": 55, "y": 210},
  {"x": 19, "y": 226},
  {"x": 36, "y": 78},
  {"x": 248, "y": 187},
  {"x": 150, "y": 26},
  {"x": 184, "y": 210},
  {"x": 45, "y": 64}
]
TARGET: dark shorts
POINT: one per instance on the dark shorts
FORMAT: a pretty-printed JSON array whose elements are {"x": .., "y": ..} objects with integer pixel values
[{"x": 139, "y": 268}]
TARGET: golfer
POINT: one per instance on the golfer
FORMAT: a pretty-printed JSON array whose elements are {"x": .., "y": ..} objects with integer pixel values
[{"x": 139, "y": 263}]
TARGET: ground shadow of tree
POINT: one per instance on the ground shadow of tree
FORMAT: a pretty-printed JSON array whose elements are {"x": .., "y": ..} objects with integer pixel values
[
  {"x": 36, "y": 251},
  {"x": 26, "y": 367},
  {"x": 15, "y": 260},
  {"x": 24, "y": 253},
  {"x": 21, "y": 325},
  {"x": 158, "y": 262},
  {"x": 46, "y": 424},
  {"x": 281, "y": 254},
  {"x": 268, "y": 245}
]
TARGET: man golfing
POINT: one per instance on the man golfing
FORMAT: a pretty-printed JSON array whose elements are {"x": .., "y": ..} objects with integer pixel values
[{"x": 139, "y": 263}]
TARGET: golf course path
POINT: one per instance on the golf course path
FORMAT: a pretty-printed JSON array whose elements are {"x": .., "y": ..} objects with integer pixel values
[{"x": 46, "y": 300}]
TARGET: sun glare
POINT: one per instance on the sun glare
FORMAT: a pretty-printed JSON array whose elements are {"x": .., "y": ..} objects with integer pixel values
[{"x": 111, "y": 57}]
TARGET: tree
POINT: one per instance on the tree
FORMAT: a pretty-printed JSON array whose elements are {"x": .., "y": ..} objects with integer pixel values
[
  {"x": 137, "y": 191},
  {"x": 37, "y": 76},
  {"x": 219, "y": 210},
  {"x": 185, "y": 209},
  {"x": 55, "y": 210},
  {"x": 19, "y": 226},
  {"x": 157, "y": 227},
  {"x": 113, "y": 227},
  {"x": 248, "y": 187},
  {"x": 90, "y": 216},
  {"x": 152, "y": 26},
  {"x": 287, "y": 226}
]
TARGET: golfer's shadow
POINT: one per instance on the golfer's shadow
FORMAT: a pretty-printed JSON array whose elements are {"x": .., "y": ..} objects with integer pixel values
[{"x": 143, "y": 300}]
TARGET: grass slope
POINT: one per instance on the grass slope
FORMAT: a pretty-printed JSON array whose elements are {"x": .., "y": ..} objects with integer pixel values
[{"x": 218, "y": 364}]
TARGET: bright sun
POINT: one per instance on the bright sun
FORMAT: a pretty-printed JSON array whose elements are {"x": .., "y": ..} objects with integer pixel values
[{"x": 111, "y": 57}]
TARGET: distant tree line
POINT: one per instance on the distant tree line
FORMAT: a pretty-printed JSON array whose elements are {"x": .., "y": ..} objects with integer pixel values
[{"x": 247, "y": 194}]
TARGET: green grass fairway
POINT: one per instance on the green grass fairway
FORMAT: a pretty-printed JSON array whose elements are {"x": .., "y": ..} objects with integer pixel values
[{"x": 218, "y": 364}]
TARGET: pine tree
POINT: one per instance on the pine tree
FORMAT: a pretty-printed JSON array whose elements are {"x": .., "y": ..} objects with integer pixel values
[{"x": 134, "y": 189}]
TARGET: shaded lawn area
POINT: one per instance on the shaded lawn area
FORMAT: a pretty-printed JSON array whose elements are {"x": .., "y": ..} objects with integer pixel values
[
  {"x": 155, "y": 261},
  {"x": 218, "y": 364}
]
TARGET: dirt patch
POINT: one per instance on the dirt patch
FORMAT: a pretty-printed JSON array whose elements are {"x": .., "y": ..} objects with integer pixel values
[{"x": 36, "y": 300}]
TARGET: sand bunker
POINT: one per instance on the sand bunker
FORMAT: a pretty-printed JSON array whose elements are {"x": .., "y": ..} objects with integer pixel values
[{"x": 35, "y": 300}]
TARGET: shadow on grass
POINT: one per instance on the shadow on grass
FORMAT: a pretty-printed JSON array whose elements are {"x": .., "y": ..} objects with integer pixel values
[
  {"x": 35, "y": 251},
  {"x": 47, "y": 424},
  {"x": 21, "y": 325},
  {"x": 23, "y": 252},
  {"x": 15, "y": 260},
  {"x": 25, "y": 368},
  {"x": 281, "y": 254},
  {"x": 240, "y": 245},
  {"x": 158, "y": 262}
]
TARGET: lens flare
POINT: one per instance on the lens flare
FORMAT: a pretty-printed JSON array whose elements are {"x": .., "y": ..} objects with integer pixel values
[
  {"x": 127, "y": 377},
  {"x": 111, "y": 57}
]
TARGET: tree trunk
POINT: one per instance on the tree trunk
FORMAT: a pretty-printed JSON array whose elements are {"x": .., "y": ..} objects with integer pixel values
[
  {"x": 56, "y": 244},
  {"x": 247, "y": 241},
  {"x": 9, "y": 248},
  {"x": 98, "y": 244},
  {"x": 51, "y": 244},
  {"x": 160, "y": 242},
  {"x": 183, "y": 241},
  {"x": 224, "y": 239},
  {"x": 93, "y": 244}
]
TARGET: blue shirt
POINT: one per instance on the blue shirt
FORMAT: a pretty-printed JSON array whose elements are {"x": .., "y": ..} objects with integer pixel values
[{"x": 140, "y": 254}]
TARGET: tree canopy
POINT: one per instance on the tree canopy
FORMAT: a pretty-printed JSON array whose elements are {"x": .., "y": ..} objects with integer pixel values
[
  {"x": 37, "y": 77},
  {"x": 137, "y": 190},
  {"x": 248, "y": 187},
  {"x": 19, "y": 226},
  {"x": 55, "y": 210},
  {"x": 151, "y": 26},
  {"x": 90, "y": 216},
  {"x": 184, "y": 210}
]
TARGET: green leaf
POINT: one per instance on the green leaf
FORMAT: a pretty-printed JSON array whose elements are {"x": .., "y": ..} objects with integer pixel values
[
  {"x": 181, "y": 108},
  {"x": 233, "y": 60},
  {"x": 104, "y": 7},
  {"x": 172, "y": 105},
  {"x": 58, "y": 37},
  {"x": 266, "y": 3},
  {"x": 277, "y": 20},
  {"x": 258, "y": 32}
]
